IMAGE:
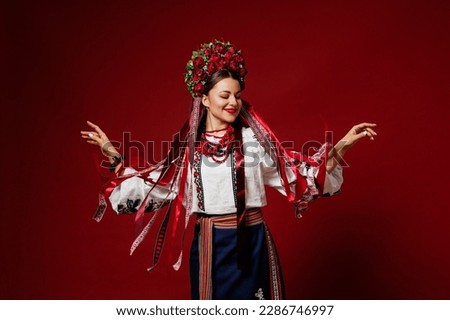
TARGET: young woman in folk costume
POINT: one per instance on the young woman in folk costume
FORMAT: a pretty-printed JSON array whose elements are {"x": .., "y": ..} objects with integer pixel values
[{"x": 216, "y": 170}]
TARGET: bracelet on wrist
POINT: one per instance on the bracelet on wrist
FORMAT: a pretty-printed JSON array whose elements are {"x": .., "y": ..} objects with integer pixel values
[{"x": 117, "y": 160}]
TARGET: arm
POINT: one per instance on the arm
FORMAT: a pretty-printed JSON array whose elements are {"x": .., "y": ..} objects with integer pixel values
[
  {"x": 129, "y": 194},
  {"x": 333, "y": 175}
]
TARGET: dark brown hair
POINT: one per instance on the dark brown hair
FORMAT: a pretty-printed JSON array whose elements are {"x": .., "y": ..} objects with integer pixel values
[{"x": 218, "y": 76}]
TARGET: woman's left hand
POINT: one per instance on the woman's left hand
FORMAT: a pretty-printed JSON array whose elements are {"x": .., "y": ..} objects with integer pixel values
[{"x": 356, "y": 133}]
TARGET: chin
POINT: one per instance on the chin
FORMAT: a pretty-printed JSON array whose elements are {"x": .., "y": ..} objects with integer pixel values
[{"x": 230, "y": 119}]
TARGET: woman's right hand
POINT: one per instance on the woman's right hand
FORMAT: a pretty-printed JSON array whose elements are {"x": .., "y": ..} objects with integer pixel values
[{"x": 99, "y": 138}]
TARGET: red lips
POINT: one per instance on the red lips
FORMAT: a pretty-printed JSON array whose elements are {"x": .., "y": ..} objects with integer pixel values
[{"x": 231, "y": 110}]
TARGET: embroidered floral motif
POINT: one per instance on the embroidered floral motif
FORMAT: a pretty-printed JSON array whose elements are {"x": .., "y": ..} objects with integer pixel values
[
  {"x": 132, "y": 206},
  {"x": 155, "y": 205},
  {"x": 260, "y": 294},
  {"x": 198, "y": 180}
]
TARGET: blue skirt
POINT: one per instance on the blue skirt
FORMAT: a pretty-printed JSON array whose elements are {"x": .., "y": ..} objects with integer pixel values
[{"x": 214, "y": 260}]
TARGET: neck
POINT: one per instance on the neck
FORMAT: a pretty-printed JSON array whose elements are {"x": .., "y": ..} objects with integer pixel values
[{"x": 211, "y": 125}]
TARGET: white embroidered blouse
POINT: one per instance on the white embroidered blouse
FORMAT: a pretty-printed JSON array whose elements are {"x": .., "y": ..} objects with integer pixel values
[{"x": 213, "y": 185}]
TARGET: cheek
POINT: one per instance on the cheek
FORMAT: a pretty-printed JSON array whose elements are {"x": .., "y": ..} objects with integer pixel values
[{"x": 218, "y": 104}]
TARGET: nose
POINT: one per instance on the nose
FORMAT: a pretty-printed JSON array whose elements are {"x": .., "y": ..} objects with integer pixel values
[{"x": 233, "y": 101}]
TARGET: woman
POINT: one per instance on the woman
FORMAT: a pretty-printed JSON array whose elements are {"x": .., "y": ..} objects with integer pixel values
[{"x": 216, "y": 169}]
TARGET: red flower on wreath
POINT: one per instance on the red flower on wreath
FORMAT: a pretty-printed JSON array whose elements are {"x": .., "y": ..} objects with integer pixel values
[
  {"x": 233, "y": 65},
  {"x": 199, "y": 62},
  {"x": 223, "y": 64},
  {"x": 229, "y": 55},
  {"x": 215, "y": 57},
  {"x": 199, "y": 74},
  {"x": 212, "y": 67},
  {"x": 220, "y": 48},
  {"x": 198, "y": 89}
]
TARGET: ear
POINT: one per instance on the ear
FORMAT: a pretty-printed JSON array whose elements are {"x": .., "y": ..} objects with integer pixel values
[{"x": 205, "y": 100}]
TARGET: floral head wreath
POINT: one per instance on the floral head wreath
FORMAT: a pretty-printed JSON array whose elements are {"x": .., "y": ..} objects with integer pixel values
[{"x": 210, "y": 58}]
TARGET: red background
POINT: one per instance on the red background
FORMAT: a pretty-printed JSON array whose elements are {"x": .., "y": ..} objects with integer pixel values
[{"x": 120, "y": 64}]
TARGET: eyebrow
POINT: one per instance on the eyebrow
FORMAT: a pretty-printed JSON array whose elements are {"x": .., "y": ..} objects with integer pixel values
[{"x": 226, "y": 91}]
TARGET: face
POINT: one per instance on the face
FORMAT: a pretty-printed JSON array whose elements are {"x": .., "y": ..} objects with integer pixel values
[{"x": 223, "y": 103}]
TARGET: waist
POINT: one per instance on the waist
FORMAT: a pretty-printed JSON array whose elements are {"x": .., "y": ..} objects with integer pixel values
[{"x": 252, "y": 216}]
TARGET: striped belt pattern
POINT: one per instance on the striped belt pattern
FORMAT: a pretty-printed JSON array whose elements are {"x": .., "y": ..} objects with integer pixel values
[{"x": 253, "y": 216}]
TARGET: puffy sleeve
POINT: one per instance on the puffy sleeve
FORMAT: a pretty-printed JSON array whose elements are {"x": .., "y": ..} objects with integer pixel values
[{"x": 128, "y": 196}]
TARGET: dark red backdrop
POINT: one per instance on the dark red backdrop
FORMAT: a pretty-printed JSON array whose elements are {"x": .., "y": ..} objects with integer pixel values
[{"x": 121, "y": 64}]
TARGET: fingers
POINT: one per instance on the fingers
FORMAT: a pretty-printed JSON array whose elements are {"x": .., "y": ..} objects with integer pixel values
[
  {"x": 96, "y": 128},
  {"x": 364, "y": 129},
  {"x": 371, "y": 133},
  {"x": 362, "y": 135},
  {"x": 97, "y": 136},
  {"x": 88, "y": 134},
  {"x": 91, "y": 137},
  {"x": 363, "y": 126},
  {"x": 91, "y": 124},
  {"x": 366, "y": 125},
  {"x": 367, "y": 132}
]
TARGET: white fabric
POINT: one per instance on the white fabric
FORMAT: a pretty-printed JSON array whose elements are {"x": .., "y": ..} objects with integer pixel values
[{"x": 218, "y": 186}]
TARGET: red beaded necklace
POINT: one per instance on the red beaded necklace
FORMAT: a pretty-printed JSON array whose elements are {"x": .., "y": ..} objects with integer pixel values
[{"x": 219, "y": 150}]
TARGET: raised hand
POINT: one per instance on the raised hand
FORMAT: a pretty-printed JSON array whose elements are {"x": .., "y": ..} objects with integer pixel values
[
  {"x": 99, "y": 138},
  {"x": 356, "y": 133}
]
